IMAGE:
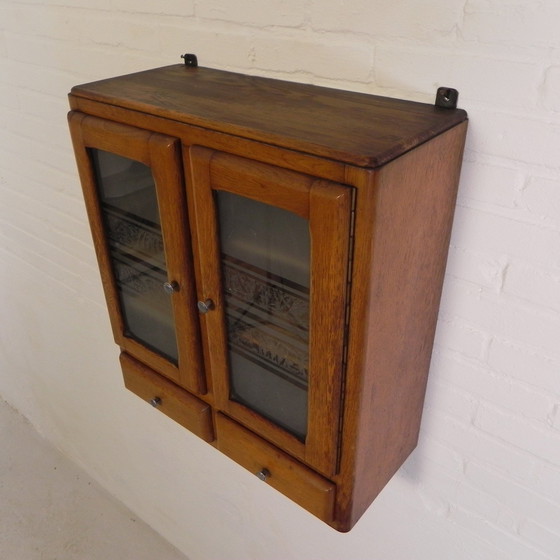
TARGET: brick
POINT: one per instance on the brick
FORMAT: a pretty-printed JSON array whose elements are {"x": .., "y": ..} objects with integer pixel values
[
  {"x": 479, "y": 383},
  {"x": 459, "y": 336},
  {"x": 478, "y": 502},
  {"x": 8, "y": 16},
  {"x": 48, "y": 21},
  {"x": 546, "y": 481},
  {"x": 550, "y": 89},
  {"x": 129, "y": 31},
  {"x": 81, "y": 60},
  {"x": 50, "y": 205},
  {"x": 536, "y": 285},
  {"x": 496, "y": 235},
  {"x": 512, "y": 23},
  {"x": 61, "y": 201},
  {"x": 39, "y": 79},
  {"x": 473, "y": 444},
  {"x": 9, "y": 98},
  {"x": 476, "y": 268},
  {"x": 541, "y": 441},
  {"x": 163, "y": 8},
  {"x": 515, "y": 497},
  {"x": 208, "y": 43},
  {"x": 428, "y": 20},
  {"x": 525, "y": 364},
  {"x": 180, "y": 8},
  {"x": 515, "y": 137},
  {"x": 450, "y": 399},
  {"x": 510, "y": 520},
  {"x": 507, "y": 546},
  {"x": 49, "y": 184},
  {"x": 491, "y": 184},
  {"x": 428, "y": 535},
  {"x": 425, "y": 69},
  {"x": 545, "y": 539},
  {"x": 38, "y": 51},
  {"x": 43, "y": 258},
  {"x": 503, "y": 317},
  {"x": 541, "y": 197},
  {"x": 278, "y": 13},
  {"x": 58, "y": 247},
  {"x": 350, "y": 61},
  {"x": 437, "y": 490},
  {"x": 555, "y": 417},
  {"x": 34, "y": 121},
  {"x": 42, "y": 105},
  {"x": 39, "y": 153},
  {"x": 434, "y": 452}
]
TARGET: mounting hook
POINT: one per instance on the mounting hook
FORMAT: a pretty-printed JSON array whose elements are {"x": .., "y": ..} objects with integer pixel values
[
  {"x": 446, "y": 98},
  {"x": 190, "y": 60}
]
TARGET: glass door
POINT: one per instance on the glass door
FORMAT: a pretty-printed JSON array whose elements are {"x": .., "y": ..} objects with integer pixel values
[
  {"x": 134, "y": 194},
  {"x": 272, "y": 247},
  {"x": 132, "y": 223},
  {"x": 265, "y": 285}
]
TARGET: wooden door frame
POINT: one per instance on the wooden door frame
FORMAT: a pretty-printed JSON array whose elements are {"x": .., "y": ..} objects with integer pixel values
[
  {"x": 162, "y": 154},
  {"x": 328, "y": 207}
]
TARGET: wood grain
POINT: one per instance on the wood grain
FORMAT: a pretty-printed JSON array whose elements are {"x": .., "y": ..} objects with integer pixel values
[
  {"x": 207, "y": 264},
  {"x": 261, "y": 182},
  {"x": 196, "y": 136},
  {"x": 356, "y": 128},
  {"x": 162, "y": 154},
  {"x": 330, "y": 223},
  {"x": 166, "y": 163},
  {"x": 377, "y": 180},
  {"x": 327, "y": 206},
  {"x": 299, "y": 483},
  {"x": 403, "y": 246},
  {"x": 176, "y": 403}
]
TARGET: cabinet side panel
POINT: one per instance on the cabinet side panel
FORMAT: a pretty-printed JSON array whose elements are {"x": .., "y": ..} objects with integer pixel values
[{"x": 413, "y": 212}]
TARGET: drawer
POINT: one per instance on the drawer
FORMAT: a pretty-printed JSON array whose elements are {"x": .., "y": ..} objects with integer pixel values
[
  {"x": 287, "y": 475},
  {"x": 178, "y": 404}
]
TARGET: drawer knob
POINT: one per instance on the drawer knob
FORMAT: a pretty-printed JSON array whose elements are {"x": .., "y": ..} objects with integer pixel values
[
  {"x": 170, "y": 287},
  {"x": 263, "y": 474},
  {"x": 205, "y": 306},
  {"x": 155, "y": 402}
]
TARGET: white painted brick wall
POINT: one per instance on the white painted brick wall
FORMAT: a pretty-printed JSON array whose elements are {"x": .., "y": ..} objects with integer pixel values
[{"x": 484, "y": 483}]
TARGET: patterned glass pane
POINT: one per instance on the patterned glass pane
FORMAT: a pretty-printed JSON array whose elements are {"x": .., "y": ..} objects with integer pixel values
[
  {"x": 265, "y": 268},
  {"x": 133, "y": 230}
]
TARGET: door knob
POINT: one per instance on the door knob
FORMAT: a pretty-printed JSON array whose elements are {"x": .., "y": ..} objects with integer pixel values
[
  {"x": 205, "y": 306},
  {"x": 170, "y": 287},
  {"x": 263, "y": 474}
]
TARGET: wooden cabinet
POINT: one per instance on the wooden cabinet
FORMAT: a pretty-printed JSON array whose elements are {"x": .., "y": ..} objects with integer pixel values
[{"x": 272, "y": 256}]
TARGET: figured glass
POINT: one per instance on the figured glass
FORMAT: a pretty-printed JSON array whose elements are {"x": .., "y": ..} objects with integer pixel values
[
  {"x": 265, "y": 269},
  {"x": 133, "y": 229}
]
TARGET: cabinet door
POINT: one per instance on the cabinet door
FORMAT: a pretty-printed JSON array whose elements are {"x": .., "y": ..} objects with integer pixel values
[
  {"x": 272, "y": 252},
  {"x": 133, "y": 187}
]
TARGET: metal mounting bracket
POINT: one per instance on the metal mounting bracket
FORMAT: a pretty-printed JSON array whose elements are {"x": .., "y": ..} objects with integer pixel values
[
  {"x": 190, "y": 60},
  {"x": 446, "y": 98}
]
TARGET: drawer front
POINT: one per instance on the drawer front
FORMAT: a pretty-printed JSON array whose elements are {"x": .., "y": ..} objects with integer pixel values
[
  {"x": 168, "y": 398},
  {"x": 285, "y": 474}
]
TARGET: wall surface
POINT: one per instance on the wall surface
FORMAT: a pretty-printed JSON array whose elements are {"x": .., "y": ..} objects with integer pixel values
[{"x": 484, "y": 482}]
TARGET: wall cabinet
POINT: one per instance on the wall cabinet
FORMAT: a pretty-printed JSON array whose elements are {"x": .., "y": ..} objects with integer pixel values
[{"x": 272, "y": 256}]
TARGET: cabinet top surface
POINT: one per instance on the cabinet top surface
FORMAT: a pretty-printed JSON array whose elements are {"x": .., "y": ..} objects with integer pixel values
[{"x": 356, "y": 128}]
